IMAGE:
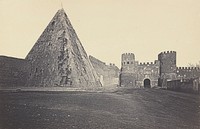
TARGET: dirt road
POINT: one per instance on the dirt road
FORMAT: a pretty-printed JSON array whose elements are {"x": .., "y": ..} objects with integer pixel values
[{"x": 124, "y": 109}]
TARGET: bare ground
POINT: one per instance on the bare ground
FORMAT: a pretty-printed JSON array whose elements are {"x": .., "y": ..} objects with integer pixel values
[{"x": 123, "y": 109}]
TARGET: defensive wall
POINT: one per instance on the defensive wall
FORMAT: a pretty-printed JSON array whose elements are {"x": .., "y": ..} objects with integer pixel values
[
  {"x": 191, "y": 85},
  {"x": 187, "y": 72},
  {"x": 14, "y": 72},
  {"x": 134, "y": 74},
  {"x": 162, "y": 72},
  {"x": 148, "y": 71},
  {"x": 108, "y": 74},
  {"x": 167, "y": 67}
]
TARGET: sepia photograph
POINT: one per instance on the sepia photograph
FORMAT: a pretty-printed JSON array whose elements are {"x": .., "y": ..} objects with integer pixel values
[{"x": 99, "y": 64}]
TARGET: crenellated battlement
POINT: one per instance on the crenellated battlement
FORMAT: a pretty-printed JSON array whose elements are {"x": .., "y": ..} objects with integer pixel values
[
  {"x": 188, "y": 72},
  {"x": 168, "y": 52},
  {"x": 188, "y": 68},
  {"x": 148, "y": 63},
  {"x": 164, "y": 53},
  {"x": 134, "y": 73},
  {"x": 126, "y": 54},
  {"x": 127, "y": 58}
]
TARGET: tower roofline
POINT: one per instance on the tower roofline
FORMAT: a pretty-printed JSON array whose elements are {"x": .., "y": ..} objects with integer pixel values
[{"x": 167, "y": 52}]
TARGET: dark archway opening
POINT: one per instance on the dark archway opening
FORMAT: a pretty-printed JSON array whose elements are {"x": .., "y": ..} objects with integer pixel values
[{"x": 147, "y": 83}]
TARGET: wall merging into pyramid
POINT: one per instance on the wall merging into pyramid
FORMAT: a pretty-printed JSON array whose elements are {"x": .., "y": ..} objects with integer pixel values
[{"x": 59, "y": 59}]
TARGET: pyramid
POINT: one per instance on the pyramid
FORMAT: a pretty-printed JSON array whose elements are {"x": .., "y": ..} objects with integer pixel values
[{"x": 59, "y": 59}]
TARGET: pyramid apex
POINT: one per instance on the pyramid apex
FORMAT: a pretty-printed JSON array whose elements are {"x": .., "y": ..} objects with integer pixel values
[
  {"x": 60, "y": 14},
  {"x": 61, "y": 10}
]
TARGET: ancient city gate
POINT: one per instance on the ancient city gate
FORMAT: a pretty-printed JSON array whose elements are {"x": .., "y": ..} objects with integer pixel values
[{"x": 147, "y": 83}]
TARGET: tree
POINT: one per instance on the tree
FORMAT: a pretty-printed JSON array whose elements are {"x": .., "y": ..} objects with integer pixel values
[{"x": 194, "y": 65}]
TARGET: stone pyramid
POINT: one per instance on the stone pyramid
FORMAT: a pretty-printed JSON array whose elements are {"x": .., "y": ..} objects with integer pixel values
[{"x": 59, "y": 59}]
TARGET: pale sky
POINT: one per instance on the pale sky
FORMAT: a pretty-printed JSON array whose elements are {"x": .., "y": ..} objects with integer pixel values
[{"x": 108, "y": 28}]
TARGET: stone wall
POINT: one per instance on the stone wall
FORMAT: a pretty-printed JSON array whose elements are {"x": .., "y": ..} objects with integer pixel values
[
  {"x": 187, "y": 72},
  {"x": 167, "y": 67},
  {"x": 128, "y": 63},
  {"x": 149, "y": 71},
  {"x": 142, "y": 71},
  {"x": 128, "y": 80},
  {"x": 108, "y": 74},
  {"x": 167, "y": 62},
  {"x": 14, "y": 72},
  {"x": 185, "y": 85}
]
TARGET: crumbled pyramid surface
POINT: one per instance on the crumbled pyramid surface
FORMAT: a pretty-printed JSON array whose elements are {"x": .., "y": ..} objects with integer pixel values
[{"x": 59, "y": 59}]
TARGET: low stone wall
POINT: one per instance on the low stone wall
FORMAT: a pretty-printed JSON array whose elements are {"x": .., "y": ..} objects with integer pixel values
[
  {"x": 14, "y": 72},
  {"x": 185, "y": 85}
]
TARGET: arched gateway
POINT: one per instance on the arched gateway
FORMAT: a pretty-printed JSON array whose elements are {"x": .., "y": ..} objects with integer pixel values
[{"x": 147, "y": 83}]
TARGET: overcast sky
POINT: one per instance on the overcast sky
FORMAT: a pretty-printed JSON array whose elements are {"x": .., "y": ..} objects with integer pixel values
[{"x": 108, "y": 28}]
